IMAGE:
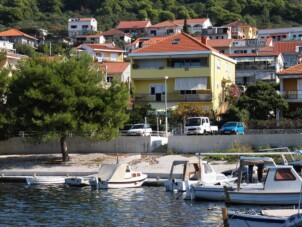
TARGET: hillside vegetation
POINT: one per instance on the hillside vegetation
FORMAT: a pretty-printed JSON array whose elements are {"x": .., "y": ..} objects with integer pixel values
[{"x": 53, "y": 14}]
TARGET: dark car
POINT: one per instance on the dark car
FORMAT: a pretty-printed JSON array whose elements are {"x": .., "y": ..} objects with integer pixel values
[{"x": 233, "y": 127}]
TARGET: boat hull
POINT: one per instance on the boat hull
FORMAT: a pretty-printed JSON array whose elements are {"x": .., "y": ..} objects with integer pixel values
[
  {"x": 208, "y": 193},
  {"x": 77, "y": 181},
  {"x": 263, "y": 198},
  {"x": 246, "y": 220},
  {"x": 217, "y": 192},
  {"x": 45, "y": 180},
  {"x": 127, "y": 183}
]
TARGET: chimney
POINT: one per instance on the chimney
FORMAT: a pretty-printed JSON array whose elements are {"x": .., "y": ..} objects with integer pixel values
[{"x": 204, "y": 40}]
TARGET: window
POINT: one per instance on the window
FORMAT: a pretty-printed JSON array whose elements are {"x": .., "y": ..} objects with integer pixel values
[
  {"x": 188, "y": 92},
  {"x": 284, "y": 175},
  {"x": 73, "y": 26},
  {"x": 157, "y": 89},
  {"x": 228, "y": 67},
  {"x": 109, "y": 79},
  {"x": 175, "y": 41},
  {"x": 85, "y": 26},
  {"x": 218, "y": 63}
]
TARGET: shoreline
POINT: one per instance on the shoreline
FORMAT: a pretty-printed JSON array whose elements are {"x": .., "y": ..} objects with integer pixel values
[{"x": 87, "y": 163}]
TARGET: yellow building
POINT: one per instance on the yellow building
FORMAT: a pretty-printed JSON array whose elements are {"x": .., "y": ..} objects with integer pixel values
[
  {"x": 291, "y": 86},
  {"x": 242, "y": 30},
  {"x": 103, "y": 52},
  {"x": 181, "y": 69}
]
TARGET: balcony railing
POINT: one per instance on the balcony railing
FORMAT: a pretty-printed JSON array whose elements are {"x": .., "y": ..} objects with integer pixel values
[
  {"x": 255, "y": 67},
  {"x": 292, "y": 94},
  {"x": 173, "y": 97}
]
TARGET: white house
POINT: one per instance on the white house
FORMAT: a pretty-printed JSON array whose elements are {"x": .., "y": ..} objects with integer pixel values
[
  {"x": 194, "y": 25},
  {"x": 7, "y": 46},
  {"x": 281, "y": 34},
  {"x": 81, "y": 26},
  {"x": 163, "y": 29}
]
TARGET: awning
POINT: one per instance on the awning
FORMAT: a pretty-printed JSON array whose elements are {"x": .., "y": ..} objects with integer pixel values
[
  {"x": 196, "y": 83},
  {"x": 244, "y": 59},
  {"x": 265, "y": 58}
]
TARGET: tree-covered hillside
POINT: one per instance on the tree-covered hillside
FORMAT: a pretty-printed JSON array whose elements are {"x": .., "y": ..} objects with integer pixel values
[{"x": 53, "y": 14}]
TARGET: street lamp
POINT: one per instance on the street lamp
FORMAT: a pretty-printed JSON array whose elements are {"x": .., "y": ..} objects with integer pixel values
[{"x": 166, "y": 114}]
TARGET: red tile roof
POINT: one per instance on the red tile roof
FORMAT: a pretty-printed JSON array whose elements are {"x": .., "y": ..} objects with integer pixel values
[
  {"x": 190, "y": 21},
  {"x": 180, "y": 42},
  {"x": 133, "y": 24},
  {"x": 296, "y": 69},
  {"x": 113, "y": 32},
  {"x": 105, "y": 46},
  {"x": 278, "y": 34},
  {"x": 164, "y": 24},
  {"x": 91, "y": 36},
  {"x": 15, "y": 33},
  {"x": 219, "y": 42},
  {"x": 266, "y": 49},
  {"x": 115, "y": 67},
  {"x": 235, "y": 24},
  {"x": 286, "y": 46},
  {"x": 86, "y": 19}
]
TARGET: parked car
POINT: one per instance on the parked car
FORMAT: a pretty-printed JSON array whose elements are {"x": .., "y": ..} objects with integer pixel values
[
  {"x": 140, "y": 129},
  {"x": 233, "y": 127}
]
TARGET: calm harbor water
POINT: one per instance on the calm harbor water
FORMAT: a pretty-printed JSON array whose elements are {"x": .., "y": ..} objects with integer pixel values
[{"x": 22, "y": 205}]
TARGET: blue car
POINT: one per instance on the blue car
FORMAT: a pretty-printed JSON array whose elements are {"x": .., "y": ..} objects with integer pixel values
[{"x": 233, "y": 127}]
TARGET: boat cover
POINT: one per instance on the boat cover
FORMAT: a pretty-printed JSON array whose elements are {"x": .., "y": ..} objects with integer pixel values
[
  {"x": 113, "y": 172},
  {"x": 279, "y": 213}
]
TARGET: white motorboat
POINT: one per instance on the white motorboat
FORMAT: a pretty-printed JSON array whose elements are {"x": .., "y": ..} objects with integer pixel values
[
  {"x": 193, "y": 172},
  {"x": 117, "y": 176},
  {"x": 282, "y": 186},
  {"x": 78, "y": 181},
  {"x": 210, "y": 191},
  {"x": 266, "y": 218},
  {"x": 35, "y": 180}
]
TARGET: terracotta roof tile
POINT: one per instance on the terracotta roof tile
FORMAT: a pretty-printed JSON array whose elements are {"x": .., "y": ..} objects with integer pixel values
[
  {"x": 115, "y": 67},
  {"x": 113, "y": 32},
  {"x": 266, "y": 49},
  {"x": 190, "y": 21},
  {"x": 220, "y": 42},
  {"x": 180, "y": 42},
  {"x": 86, "y": 19},
  {"x": 14, "y": 32},
  {"x": 105, "y": 46},
  {"x": 235, "y": 24},
  {"x": 286, "y": 46},
  {"x": 164, "y": 24},
  {"x": 296, "y": 69},
  {"x": 91, "y": 36},
  {"x": 133, "y": 24}
]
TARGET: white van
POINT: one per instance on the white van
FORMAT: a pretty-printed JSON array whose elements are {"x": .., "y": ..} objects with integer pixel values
[{"x": 199, "y": 126}]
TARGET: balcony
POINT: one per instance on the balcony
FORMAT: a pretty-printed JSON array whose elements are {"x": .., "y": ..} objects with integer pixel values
[
  {"x": 173, "y": 97},
  {"x": 160, "y": 72},
  {"x": 292, "y": 95}
]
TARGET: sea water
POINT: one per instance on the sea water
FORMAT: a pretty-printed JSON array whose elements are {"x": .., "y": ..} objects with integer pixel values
[{"x": 22, "y": 205}]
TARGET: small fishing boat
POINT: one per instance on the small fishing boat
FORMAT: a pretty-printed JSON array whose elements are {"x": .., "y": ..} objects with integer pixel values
[
  {"x": 35, "y": 180},
  {"x": 117, "y": 176},
  {"x": 282, "y": 186},
  {"x": 216, "y": 192},
  {"x": 193, "y": 172},
  {"x": 265, "y": 218}
]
